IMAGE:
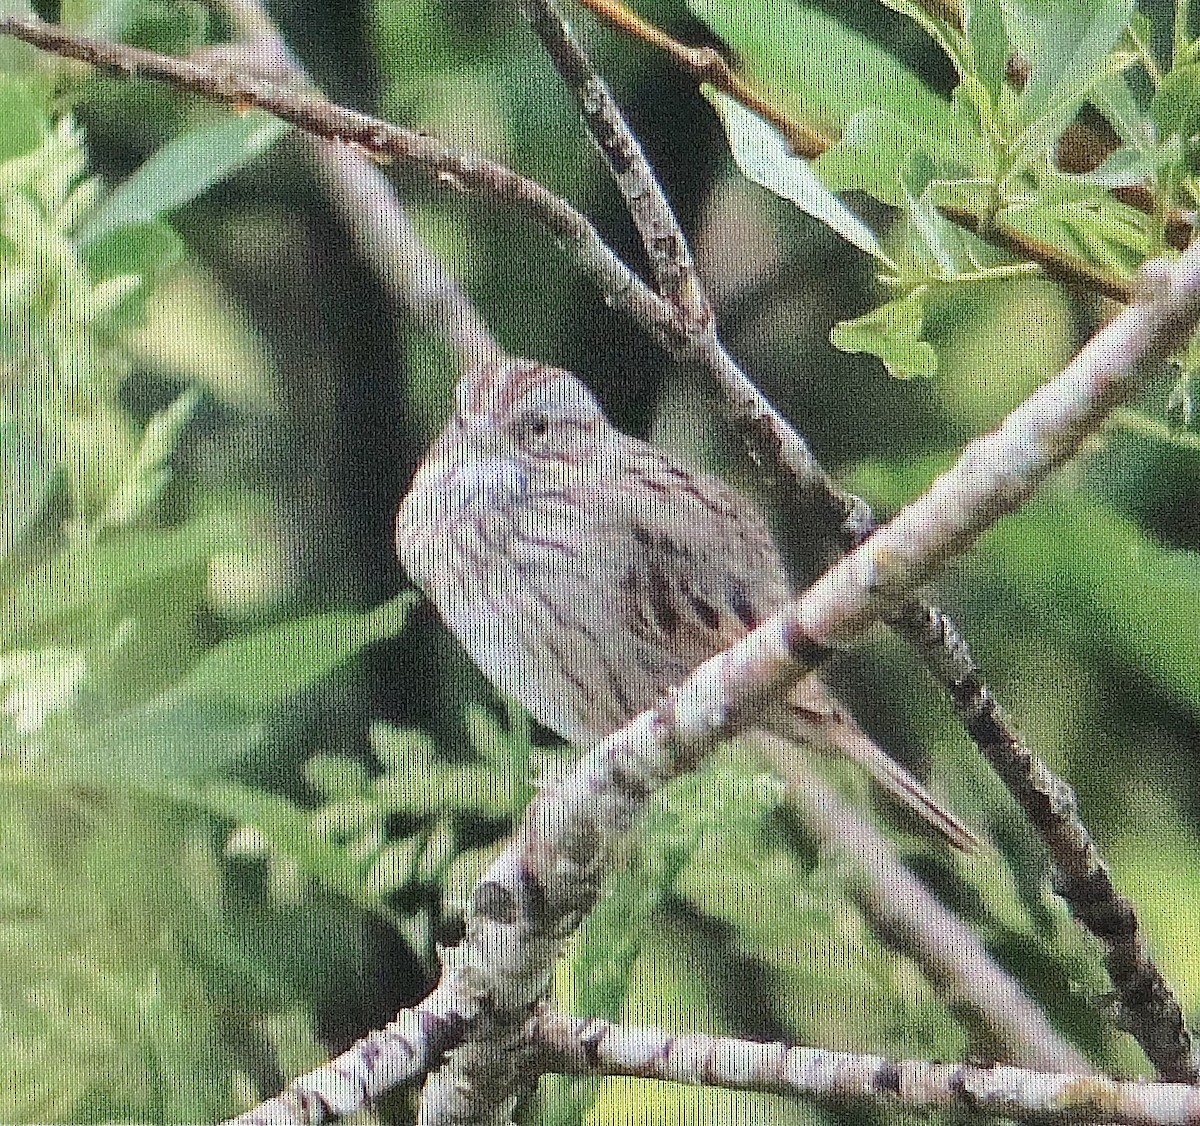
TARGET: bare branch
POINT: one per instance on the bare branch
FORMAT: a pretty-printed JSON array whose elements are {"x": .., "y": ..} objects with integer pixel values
[
  {"x": 705, "y": 64},
  {"x": 583, "y": 1046},
  {"x": 813, "y": 498},
  {"x": 1081, "y": 877},
  {"x": 397, "y": 1055},
  {"x": 665, "y": 243}
]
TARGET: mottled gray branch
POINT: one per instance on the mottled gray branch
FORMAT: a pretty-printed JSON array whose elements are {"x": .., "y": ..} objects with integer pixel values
[
  {"x": 548, "y": 877},
  {"x": 1081, "y": 877},
  {"x": 665, "y": 244},
  {"x": 582, "y": 1046},
  {"x": 398, "y": 1055}
]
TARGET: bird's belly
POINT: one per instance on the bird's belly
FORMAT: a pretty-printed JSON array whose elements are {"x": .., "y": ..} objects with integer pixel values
[{"x": 527, "y": 620}]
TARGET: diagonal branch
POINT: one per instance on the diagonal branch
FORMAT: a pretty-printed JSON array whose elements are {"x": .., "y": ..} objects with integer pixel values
[
  {"x": 445, "y": 165},
  {"x": 666, "y": 245},
  {"x": 414, "y": 277},
  {"x": 947, "y": 949},
  {"x": 533, "y": 895}
]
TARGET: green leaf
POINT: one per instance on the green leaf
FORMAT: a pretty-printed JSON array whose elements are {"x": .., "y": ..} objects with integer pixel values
[
  {"x": 29, "y": 468},
  {"x": 942, "y": 33},
  {"x": 1088, "y": 223},
  {"x": 1122, "y": 110},
  {"x": 1126, "y": 166},
  {"x": 288, "y": 829},
  {"x": 122, "y": 983},
  {"x": 37, "y": 683},
  {"x": 147, "y": 475},
  {"x": 764, "y": 156},
  {"x": 1066, "y": 43},
  {"x": 184, "y": 168},
  {"x": 1140, "y": 599},
  {"x": 789, "y": 50},
  {"x": 1175, "y": 106},
  {"x": 987, "y": 43},
  {"x": 940, "y": 247},
  {"x": 893, "y": 333},
  {"x": 79, "y": 595},
  {"x": 870, "y": 156},
  {"x": 139, "y": 248},
  {"x": 220, "y": 709},
  {"x": 23, "y": 123},
  {"x": 266, "y": 668}
]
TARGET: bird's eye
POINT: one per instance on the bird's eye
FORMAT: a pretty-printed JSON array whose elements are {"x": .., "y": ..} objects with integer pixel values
[{"x": 534, "y": 426}]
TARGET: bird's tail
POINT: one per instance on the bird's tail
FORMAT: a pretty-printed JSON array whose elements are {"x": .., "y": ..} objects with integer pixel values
[{"x": 815, "y": 717}]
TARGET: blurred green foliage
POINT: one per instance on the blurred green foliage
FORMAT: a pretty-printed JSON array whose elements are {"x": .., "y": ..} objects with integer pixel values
[{"x": 247, "y": 788}]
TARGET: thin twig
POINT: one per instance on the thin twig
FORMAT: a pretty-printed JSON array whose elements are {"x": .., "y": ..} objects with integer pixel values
[
  {"x": 590, "y": 1046},
  {"x": 663, "y": 238},
  {"x": 947, "y": 950},
  {"x": 705, "y": 64},
  {"x": 1081, "y": 877},
  {"x": 665, "y": 243}
]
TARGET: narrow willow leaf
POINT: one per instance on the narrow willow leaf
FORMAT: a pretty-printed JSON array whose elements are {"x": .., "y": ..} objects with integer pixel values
[
  {"x": 184, "y": 168},
  {"x": 1121, "y": 109},
  {"x": 762, "y": 154},
  {"x": 945, "y": 36},
  {"x": 219, "y": 711},
  {"x": 149, "y": 471},
  {"x": 266, "y": 668},
  {"x": 790, "y": 50},
  {"x": 1124, "y": 167},
  {"x": 1065, "y": 43},
  {"x": 1175, "y": 107},
  {"x": 988, "y": 46}
]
